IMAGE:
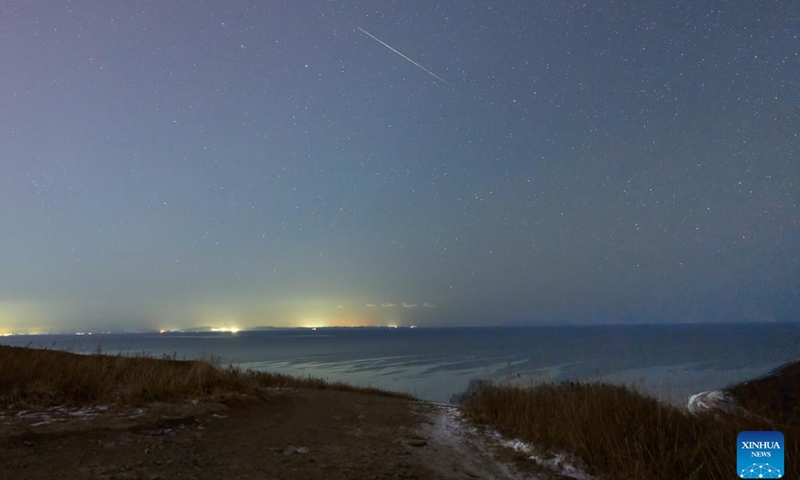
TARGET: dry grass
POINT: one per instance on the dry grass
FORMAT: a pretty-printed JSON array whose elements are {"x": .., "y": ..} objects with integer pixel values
[
  {"x": 620, "y": 433},
  {"x": 45, "y": 378},
  {"x": 775, "y": 395}
]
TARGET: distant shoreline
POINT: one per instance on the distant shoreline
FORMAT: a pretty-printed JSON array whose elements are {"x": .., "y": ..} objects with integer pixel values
[{"x": 208, "y": 329}]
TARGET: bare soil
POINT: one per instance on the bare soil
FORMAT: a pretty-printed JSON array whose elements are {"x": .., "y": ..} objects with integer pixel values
[{"x": 291, "y": 434}]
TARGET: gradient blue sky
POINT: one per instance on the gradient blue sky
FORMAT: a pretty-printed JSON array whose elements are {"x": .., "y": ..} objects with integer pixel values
[{"x": 175, "y": 163}]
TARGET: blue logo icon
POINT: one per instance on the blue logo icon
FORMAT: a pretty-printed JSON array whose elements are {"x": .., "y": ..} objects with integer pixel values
[{"x": 759, "y": 455}]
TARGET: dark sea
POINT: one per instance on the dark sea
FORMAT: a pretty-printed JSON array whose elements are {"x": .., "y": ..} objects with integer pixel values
[{"x": 668, "y": 361}]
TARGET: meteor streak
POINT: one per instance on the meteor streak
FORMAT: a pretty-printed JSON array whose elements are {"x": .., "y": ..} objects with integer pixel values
[{"x": 399, "y": 53}]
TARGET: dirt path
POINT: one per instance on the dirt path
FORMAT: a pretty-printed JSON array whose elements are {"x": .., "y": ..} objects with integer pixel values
[
  {"x": 298, "y": 434},
  {"x": 455, "y": 450},
  {"x": 302, "y": 434}
]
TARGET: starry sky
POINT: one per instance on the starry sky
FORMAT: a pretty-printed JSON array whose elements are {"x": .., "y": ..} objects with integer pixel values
[{"x": 180, "y": 163}]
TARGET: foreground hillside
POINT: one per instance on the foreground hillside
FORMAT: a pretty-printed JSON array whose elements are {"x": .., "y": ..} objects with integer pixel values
[
  {"x": 106, "y": 417},
  {"x": 110, "y": 417}
]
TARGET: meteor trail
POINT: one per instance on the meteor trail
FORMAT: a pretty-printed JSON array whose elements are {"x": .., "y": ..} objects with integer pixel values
[{"x": 399, "y": 53}]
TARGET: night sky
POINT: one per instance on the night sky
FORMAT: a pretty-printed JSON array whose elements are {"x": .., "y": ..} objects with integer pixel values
[{"x": 169, "y": 164}]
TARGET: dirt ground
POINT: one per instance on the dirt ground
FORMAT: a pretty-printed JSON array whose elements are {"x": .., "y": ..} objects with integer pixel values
[{"x": 293, "y": 434}]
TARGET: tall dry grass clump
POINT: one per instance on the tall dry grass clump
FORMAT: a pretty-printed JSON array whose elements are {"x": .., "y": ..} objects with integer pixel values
[
  {"x": 47, "y": 377},
  {"x": 52, "y": 377},
  {"x": 620, "y": 433},
  {"x": 775, "y": 395}
]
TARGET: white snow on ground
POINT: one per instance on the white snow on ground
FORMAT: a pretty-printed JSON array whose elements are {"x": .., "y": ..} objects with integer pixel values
[
  {"x": 134, "y": 414},
  {"x": 712, "y": 400},
  {"x": 37, "y": 418},
  {"x": 559, "y": 462},
  {"x": 55, "y": 414},
  {"x": 84, "y": 412}
]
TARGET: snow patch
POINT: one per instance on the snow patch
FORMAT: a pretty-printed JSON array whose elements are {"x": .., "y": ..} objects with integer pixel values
[
  {"x": 38, "y": 418},
  {"x": 87, "y": 412},
  {"x": 136, "y": 413},
  {"x": 560, "y": 462},
  {"x": 82, "y": 413},
  {"x": 712, "y": 400}
]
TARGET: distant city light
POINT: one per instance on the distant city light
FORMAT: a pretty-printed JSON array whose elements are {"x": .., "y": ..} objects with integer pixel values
[{"x": 226, "y": 329}]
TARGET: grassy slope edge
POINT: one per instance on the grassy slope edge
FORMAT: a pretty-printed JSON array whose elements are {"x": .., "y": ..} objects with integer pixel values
[
  {"x": 35, "y": 377},
  {"x": 620, "y": 433},
  {"x": 775, "y": 395}
]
